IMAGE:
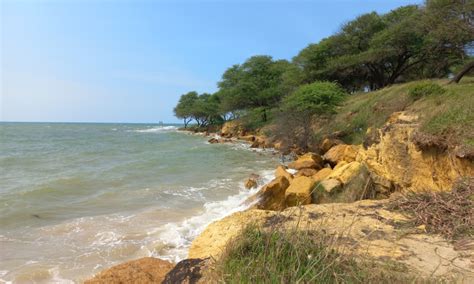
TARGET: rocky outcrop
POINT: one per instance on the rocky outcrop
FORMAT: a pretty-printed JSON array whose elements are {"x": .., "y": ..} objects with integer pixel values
[
  {"x": 188, "y": 271},
  {"x": 143, "y": 270},
  {"x": 397, "y": 162},
  {"x": 271, "y": 196},
  {"x": 281, "y": 171},
  {"x": 232, "y": 128},
  {"x": 347, "y": 183},
  {"x": 321, "y": 174},
  {"x": 308, "y": 160},
  {"x": 341, "y": 152},
  {"x": 365, "y": 228},
  {"x": 252, "y": 181},
  {"x": 299, "y": 191}
]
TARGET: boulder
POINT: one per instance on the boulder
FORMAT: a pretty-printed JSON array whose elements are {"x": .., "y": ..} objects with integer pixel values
[
  {"x": 271, "y": 196},
  {"x": 341, "y": 152},
  {"x": 328, "y": 143},
  {"x": 299, "y": 191},
  {"x": 322, "y": 174},
  {"x": 143, "y": 270},
  {"x": 308, "y": 160},
  {"x": 213, "y": 140},
  {"x": 347, "y": 183},
  {"x": 307, "y": 172},
  {"x": 252, "y": 181},
  {"x": 188, "y": 271},
  {"x": 281, "y": 171}
]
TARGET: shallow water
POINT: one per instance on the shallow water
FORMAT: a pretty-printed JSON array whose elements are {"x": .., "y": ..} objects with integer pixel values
[{"x": 78, "y": 198}]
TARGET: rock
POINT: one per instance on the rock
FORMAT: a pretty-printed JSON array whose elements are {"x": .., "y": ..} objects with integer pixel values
[
  {"x": 271, "y": 196},
  {"x": 281, "y": 171},
  {"x": 347, "y": 183},
  {"x": 213, "y": 140},
  {"x": 368, "y": 229},
  {"x": 345, "y": 172},
  {"x": 322, "y": 174},
  {"x": 299, "y": 191},
  {"x": 399, "y": 161},
  {"x": 329, "y": 186},
  {"x": 308, "y": 160},
  {"x": 341, "y": 152},
  {"x": 232, "y": 128},
  {"x": 307, "y": 172},
  {"x": 143, "y": 270},
  {"x": 252, "y": 181},
  {"x": 328, "y": 143},
  {"x": 249, "y": 138},
  {"x": 188, "y": 271}
]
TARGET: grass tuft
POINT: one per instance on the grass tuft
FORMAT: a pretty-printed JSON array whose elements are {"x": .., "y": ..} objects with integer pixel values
[{"x": 262, "y": 256}]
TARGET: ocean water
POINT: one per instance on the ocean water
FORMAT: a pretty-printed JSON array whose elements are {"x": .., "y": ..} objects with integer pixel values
[{"x": 78, "y": 198}]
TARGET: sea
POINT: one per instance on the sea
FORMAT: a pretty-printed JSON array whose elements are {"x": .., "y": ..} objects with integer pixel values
[{"x": 77, "y": 198}]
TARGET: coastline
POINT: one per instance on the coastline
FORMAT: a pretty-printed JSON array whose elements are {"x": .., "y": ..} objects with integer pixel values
[{"x": 345, "y": 164}]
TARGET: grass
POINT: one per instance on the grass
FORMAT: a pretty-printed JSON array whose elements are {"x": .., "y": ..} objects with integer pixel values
[
  {"x": 259, "y": 256},
  {"x": 446, "y": 114},
  {"x": 447, "y": 213}
]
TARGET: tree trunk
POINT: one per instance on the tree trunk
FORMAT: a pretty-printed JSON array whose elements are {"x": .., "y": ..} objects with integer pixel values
[{"x": 468, "y": 67}]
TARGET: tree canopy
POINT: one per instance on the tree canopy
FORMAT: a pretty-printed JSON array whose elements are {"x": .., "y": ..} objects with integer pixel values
[{"x": 370, "y": 52}]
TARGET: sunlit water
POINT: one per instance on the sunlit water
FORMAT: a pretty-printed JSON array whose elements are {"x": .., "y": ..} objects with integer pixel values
[{"x": 78, "y": 198}]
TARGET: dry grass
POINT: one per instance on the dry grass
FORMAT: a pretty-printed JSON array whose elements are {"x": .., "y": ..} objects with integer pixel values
[{"x": 450, "y": 214}]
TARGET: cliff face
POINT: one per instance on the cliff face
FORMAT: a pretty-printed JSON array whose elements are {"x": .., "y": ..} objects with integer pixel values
[{"x": 396, "y": 158}]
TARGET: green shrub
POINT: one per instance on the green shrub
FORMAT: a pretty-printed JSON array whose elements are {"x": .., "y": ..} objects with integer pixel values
[
  {"x": 315, "y": 98},
  {"x": 425, "y": 89},
  {"x": 299, "y": 257}
]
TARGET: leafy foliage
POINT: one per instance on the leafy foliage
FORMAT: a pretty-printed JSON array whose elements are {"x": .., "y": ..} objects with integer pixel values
[{"x": 425, "y": 89}]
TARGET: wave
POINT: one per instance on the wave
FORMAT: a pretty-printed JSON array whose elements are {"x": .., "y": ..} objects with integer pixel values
[
  {"x": 156, "y": 129},
  {"x": 177, "y": 237}
]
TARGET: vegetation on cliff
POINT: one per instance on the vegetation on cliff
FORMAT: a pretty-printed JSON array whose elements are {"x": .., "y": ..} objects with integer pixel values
[{"x": 368, "y": 53}]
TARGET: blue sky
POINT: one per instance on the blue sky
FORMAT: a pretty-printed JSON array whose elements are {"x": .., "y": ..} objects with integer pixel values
[{"x": 129, "y": 61}]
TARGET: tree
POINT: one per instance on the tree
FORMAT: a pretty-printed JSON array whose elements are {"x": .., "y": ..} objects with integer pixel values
[
  {"x": 254, "y": 84},
  {"x": 185, "y": 106},
  {"x": 299, "y": 108}
]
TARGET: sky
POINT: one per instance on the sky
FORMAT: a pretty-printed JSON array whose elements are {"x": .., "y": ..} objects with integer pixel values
[{"x": 129, "y": 61}]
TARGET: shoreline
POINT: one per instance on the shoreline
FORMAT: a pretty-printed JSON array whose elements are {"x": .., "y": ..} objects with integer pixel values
[{"x": 345, "y": 164}]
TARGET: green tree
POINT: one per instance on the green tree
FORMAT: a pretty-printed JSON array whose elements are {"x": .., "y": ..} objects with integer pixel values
[
  {"x": 184, "y": 108},
  {"x": 254, "y": 84},
  {"x": 300, "y": 107}
]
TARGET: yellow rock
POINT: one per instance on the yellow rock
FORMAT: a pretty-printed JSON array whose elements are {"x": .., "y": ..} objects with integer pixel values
[
  {"x": 299, "y": 191},
  {"x": 308, "y": 160},
  {"x": 322, "y": 174},
  {"x": 346, "y": 172},
  {"x": 143, "y": 270},
  {"x": 307, "y": 172},
  {"x": 397, "y": 159},
  {"x": 232, "y": 128},
  {"x": 328, "y": 143},
  {"x": 271, "y": 196},
  {"x": 281, "y": 171},
  {"x": 341, "y": 152}
]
